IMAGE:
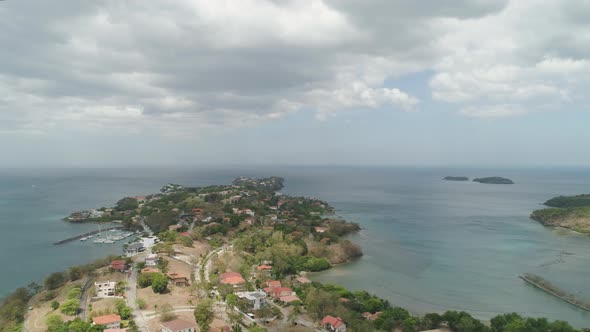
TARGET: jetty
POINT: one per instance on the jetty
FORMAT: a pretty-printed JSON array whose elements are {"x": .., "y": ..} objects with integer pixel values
[
  {"x": 551, "y": 289},
  {"x": 77, "y": 237}
]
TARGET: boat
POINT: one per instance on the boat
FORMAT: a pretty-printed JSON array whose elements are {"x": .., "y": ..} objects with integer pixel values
[{"x": 84, "y": 239}]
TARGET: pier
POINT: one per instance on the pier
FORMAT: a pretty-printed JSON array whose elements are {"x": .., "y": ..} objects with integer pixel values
[
  {"x": 547, "y": 287},
  {"x": 78, "y": 237}
]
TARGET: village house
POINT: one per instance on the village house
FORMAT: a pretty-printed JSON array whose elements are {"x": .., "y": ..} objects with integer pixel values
[
  {"x": 105, "y": 288},
  {"x": 232, "y": 278},
  {"x": 333, "y": 324},
  {"x": 256, "y": 300},
  {"x": 371, "y": 316},
  {"x": 278, "y": 292},
  {"x": 273, "y": 283},
  {"x": 178, "y": 279},
  {"x": 178, "y": 325},
  {"x": 109, "y": 321},
  {"x": 263, "y": 271},
  {"x": 151, "y": 260},
  {"x": 289, "y": 299},
  {"x": 301, "y": 281},
  {"x": 320, "y": 229},
  {"x": 119, "y": 265}
]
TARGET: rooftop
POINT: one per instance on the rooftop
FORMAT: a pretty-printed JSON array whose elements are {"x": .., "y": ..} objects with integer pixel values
[{"x": 108, "y": 319}]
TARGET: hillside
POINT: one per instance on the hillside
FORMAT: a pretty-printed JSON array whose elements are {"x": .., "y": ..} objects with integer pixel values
[
  {"x": 574, "y": 218},
  {"x": 569, "y": 201}
]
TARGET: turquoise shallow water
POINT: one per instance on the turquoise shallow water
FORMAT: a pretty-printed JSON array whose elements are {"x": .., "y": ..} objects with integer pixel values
[{"x": 430, "y": 245}]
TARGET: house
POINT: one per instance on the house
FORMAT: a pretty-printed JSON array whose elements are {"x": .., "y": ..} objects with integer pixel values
[
  {"x": 115, "y": 330},
  {"x": 289, "y": 299},
  {"x": 174, "y": 228},
  {"x": 278, "y": 292},
  {"x": 178, "y": 325},
  {"x": 134, "y": 248},
  {"x": 302, "y": 281},
  {"x": 119, "y": 265},
  {"x": 185, "y": 234},
  {"x": 197, "y": 211},
  {"x": 263, "y": 270},
  {"x": 232, "y": 278},
  {"x": 109, "y": 321},
  {"x": 105, "y": 288},
  {"x": 151, "y": 260},
  {"x": 178, "y": 279},
  {"x": 273, "y": 283},
  {"x": 150, "y": 270},
  {"x": 371, "y": 316},
  {"x": 334, "y": 324},
  {"x": 256, "y": 300},
  {"x": 320, "y": 229}
]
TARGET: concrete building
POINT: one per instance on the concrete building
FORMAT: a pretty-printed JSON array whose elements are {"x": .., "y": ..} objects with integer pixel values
[
  {"x": 255, "y": 299},
  {"x": 105, "y": 288}
]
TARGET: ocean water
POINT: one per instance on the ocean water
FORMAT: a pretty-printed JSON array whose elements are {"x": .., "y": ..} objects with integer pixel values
[{"x": 430, "y": 245}]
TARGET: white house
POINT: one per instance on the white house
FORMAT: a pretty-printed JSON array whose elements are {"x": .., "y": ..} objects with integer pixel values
[
  {"x": 105, "y": 288},
  {"x": 151, "y": 260},
  {"x": 256, "y": 299}
]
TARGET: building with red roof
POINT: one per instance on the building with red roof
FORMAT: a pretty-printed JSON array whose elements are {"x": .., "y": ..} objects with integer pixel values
[
  {"x": 232, "y": 278},
  {"x": 273, "y": 283},
  {"x": 371, "y": 316},
  {"x": 334, "y": 324},
  {"x": 118, "y": 264},
  {"x": 109, "y": 321},
  {"x": 179, "y": 325},
  {"x": 277, "y": 292}
]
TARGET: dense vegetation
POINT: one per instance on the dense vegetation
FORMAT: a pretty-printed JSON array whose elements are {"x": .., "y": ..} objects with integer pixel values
[
  {"x": 569, "y": 201},
  {"x": 575, "y": 218},
  {"x": 494, "y": 180},
  {"x": 456, "y": 178}
]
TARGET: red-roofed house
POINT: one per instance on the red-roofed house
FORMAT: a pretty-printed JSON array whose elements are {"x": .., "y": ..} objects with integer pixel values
[
  {"x": 178, "y": 279},
  {"x": 289, "y": 298},
  {"x": 263, "y": 271},
  {"x": 320, "y": 229},
  {"x": 232, "y": 278},
  {"x": 371, "y": 316},
  {"x": 187, "y": 234},
  {"x": 302, "y": 280},
  {"x": 118, "y": 265},
  {"x": 273, "y": 283},
  {"x": 179, "y": 325},
  {"x": 109, "y": 321},
  {"x": 277, "y": 292},
  {"x": 334, "y": 324}
]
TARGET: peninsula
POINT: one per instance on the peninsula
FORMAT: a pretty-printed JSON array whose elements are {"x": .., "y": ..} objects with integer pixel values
[
  {"x": 494, "y": 180},
  {"x": 228, "y": 257},
  {"x": 456, "y": 178},
  {"x": 571, "y": 212}
]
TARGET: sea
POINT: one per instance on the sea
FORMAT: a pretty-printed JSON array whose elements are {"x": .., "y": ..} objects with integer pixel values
[{"x": 429, "y": 245}]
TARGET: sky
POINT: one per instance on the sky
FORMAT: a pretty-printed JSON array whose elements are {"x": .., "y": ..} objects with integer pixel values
[{"x": 354, "y": 82}]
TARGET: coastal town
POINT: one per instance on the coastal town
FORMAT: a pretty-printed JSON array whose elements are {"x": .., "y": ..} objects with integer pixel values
[{"x": 236, "y": 257}]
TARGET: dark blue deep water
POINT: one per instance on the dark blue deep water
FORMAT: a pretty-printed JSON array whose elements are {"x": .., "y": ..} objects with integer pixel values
[{"x": 430, "y": 245}]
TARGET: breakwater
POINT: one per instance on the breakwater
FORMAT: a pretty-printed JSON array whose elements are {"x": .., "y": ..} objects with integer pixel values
[
  {"x": 551, "y": 289},
  {"x": 77, "y": 237}
]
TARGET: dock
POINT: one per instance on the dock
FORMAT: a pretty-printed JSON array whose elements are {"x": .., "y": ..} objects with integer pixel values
[
  {"x": 78, "y": 237},
  {"x": 547, "y": 287}
]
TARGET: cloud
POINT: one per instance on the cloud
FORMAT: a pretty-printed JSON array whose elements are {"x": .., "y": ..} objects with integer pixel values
[{"x": 188, "y": 66}]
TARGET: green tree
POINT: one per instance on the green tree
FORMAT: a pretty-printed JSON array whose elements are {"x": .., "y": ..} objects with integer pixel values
[
  {"x": 141, "y": 303},
  {"x": 74, "y": 293},
  {"x": 54, "y": 305},
  {"x": 204, "y": 314},
  {"x": 54, "y": 323},
  {"x": 159, "y": 283},
  {"x": 75, "y": 273},
  {"x": 127, "y": 203},
  {"x": 231, "y": 300},
  {"x": 70, "y": 307},
  {"x": 55, "y": 280}
]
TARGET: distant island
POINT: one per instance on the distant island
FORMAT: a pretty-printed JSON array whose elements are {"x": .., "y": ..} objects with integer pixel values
[
  {"x": 494, "y": 180},
  {"x": 456, "y": 178},
  {"x": 571, "y": 212}
]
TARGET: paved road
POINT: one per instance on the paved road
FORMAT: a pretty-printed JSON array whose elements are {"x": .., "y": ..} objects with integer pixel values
[{"x": 140, "y": 319}]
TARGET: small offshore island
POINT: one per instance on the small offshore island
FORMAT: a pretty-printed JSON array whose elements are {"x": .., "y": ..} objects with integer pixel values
[
  {"x": 571, "y": 212},
  {"x": 456, "y": 178},
  {"x": 493, "y": 180},
  {"x": 225, "y": 258}
]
